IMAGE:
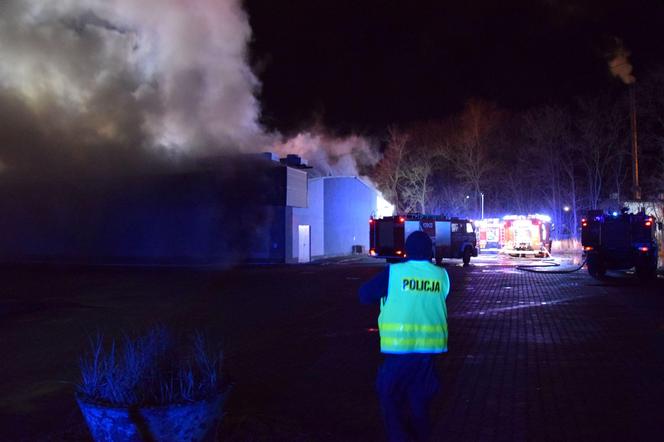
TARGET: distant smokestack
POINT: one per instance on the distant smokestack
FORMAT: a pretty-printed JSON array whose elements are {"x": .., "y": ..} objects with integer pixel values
[
  {"x": 620, "y": 67},
  {"x": 636, "y": 189}
]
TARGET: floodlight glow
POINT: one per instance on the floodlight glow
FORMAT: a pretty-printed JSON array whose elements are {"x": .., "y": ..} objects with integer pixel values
[
  {"x": 383, "y": 207},
  {"x": 537, "y": 216}
]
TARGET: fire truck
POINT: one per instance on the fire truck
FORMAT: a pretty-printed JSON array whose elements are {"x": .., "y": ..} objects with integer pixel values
[
  {"x": 451, "y": 237},
  {"x": 619, "y": 241},
  {"x": 526, "y": 236},
  {"x": 491, "y": 233}
]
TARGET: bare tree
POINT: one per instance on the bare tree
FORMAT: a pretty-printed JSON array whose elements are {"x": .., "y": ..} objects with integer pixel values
[
  {"x": 548, "y": 134},
  {"x": 469, "y": 150},
  {"x": 517, "y": 191},
  {"x": 415, "y": 185},
  {"x": 447, "y": 197},
  {"x": 600, "y": 143},
  {"x": 390, "y": 171},
  {"x": 650, "y": 102}
]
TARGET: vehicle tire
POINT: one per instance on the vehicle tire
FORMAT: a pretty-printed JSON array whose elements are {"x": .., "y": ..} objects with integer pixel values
[
  {"x": 596, "y": 267},
  {"x": 467, "y": 253}
]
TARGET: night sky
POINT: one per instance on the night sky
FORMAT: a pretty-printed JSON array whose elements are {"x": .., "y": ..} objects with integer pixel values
[{"x": 362, "y": 65}]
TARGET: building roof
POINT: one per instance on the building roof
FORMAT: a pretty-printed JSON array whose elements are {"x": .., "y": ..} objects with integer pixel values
[{"x": 344, "y": 177}]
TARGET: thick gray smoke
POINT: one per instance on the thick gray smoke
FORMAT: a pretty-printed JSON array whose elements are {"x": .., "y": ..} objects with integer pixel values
[
  {"x": 94, "y": 94},
  {"x": 95, "y": 86},
  {"x": 104, "y": 83}
]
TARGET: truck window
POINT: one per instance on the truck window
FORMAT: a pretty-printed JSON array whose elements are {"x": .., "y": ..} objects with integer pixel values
[
  {"x": 469, "y": 228},
  {"x": 456, "y": 227}
]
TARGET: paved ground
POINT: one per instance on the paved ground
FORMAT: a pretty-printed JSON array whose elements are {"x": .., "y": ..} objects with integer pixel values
[{"x": 532, "y": 356}]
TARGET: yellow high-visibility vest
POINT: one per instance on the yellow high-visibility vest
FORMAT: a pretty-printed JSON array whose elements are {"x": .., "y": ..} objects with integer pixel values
[{"x": 413, "y": 318}]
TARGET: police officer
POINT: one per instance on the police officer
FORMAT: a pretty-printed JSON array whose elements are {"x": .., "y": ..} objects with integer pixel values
[{"x": 413, "y": 328}]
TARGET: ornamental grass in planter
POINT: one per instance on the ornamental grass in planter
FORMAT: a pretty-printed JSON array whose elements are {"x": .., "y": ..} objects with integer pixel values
[{"x": 153, "y": 387}]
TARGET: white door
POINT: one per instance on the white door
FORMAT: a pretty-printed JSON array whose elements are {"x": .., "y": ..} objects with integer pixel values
[{"x": 303, "y": 241}]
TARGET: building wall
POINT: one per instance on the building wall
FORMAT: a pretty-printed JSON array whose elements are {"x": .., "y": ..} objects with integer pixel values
[
  {"x": 348, "y": 204},
  {"x": 181, "y": 219},
  {"x": 269, "y": 243},
  {"x": 197, "y": 217},
  {"x": 313, "y": 217},
  {"x": 285, "y": 189},
  {"x": 296, "y": 187}
]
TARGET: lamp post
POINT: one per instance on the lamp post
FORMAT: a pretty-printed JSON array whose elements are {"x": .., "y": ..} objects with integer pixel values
[
  {"x": 482, "y": 204},
  {"x": 566, "y": 228}
]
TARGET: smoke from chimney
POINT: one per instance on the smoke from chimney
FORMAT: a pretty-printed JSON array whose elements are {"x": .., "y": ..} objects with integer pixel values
[{"x": 619, "y": 64}]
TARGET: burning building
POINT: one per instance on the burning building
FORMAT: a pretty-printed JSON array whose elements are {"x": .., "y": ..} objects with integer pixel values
[
  {"x": 322, "y": 215},
  {"x": 227, "y": 210}
]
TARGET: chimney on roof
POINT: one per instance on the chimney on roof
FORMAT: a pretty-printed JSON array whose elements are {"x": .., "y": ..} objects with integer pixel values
[
  {"x": 269, "y": 156},
  {"x": 296, "y": 161}
]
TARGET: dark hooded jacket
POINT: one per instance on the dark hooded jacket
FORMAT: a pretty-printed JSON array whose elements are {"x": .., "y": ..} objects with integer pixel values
[{"x": 418, "y": 248}]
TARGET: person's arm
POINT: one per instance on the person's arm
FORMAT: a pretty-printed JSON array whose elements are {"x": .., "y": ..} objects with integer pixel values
[{"x": 376, "y": 288}]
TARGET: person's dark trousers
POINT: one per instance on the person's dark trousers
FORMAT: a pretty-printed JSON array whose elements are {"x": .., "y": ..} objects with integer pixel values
[{"x": 406, "y": 385}]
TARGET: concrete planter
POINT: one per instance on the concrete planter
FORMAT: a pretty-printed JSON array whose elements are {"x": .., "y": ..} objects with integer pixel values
[{"x": 177, "y": 422}]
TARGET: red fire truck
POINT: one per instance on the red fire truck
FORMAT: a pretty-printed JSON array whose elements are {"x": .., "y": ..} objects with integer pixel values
[
  {"x": 527, "y": 236},
  {"x": 491, "y": 233},
  {"x": 451, "y": 237}
]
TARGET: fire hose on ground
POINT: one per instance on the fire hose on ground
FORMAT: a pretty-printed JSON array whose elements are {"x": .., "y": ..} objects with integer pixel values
[{"x": 532, "y": 268}]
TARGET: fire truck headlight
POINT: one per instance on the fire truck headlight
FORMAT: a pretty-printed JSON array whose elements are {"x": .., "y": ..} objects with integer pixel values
[
  {"x": 588, "y": 248},
  {"x": 372, "y": 252},
  {"x": 643, "y": 249}
]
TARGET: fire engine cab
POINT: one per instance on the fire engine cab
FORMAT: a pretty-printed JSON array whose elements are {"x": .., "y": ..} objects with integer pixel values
[
  {"x": 451, "y": 237},
  {"x": 618, "y": 241}
]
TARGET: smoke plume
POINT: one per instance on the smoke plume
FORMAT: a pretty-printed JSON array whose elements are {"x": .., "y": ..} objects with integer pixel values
[
  {"x": 97, "y": 86},
  {"x": 100, "y": 82},
  {"x": 619, "y": 64},
  {"x": 350, "y": 156}
]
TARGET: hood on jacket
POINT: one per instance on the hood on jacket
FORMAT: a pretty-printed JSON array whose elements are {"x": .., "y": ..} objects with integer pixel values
[{"x": 419, "y": 246}]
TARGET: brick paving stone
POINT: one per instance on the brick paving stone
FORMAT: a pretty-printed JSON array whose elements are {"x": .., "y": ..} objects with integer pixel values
[{"x": 551, "y": 357}]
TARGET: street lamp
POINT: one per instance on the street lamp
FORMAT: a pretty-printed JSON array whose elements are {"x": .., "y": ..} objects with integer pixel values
[
  {"x": 566, "y": 208},
  {"x": 482, "y": 203}
]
